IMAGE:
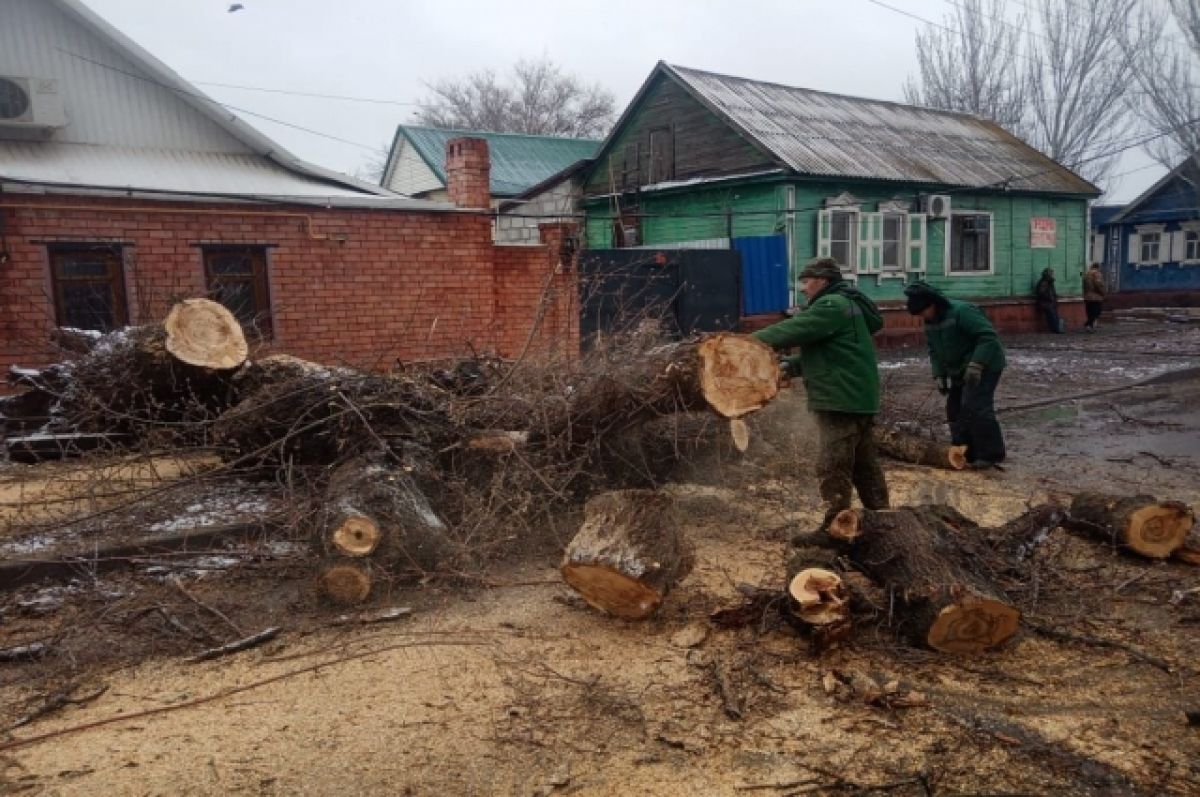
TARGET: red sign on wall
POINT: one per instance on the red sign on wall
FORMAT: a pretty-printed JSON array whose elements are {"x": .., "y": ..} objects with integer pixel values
[{"x": 1043, "y": 232}]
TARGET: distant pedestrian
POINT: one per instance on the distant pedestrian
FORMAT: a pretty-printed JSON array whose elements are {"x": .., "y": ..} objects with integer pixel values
[
  {"x": 1047, "y": 300},
  {"x": 967, "y": 359},
  {"x": 1093, "y": 295}
]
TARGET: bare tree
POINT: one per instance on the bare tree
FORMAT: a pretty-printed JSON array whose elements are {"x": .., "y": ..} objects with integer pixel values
[
  {"x": 371, "y": 169},
  {"x": 1079, "y": 78},
  {"x": 971, "y": 64},
  {"x": 1187, "y": 14},
  {"x": 1168, "y": 78},
  {"x": 1060, "y": 81},
  {"x": 540, "y": 99}
]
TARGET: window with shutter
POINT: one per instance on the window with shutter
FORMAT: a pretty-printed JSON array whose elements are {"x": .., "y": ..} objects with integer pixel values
[
  {"x": 842, "y": 228},
  {"x": 870, "y": 243},
  {"x": 1191, "y": 245},
  {"x": 892, "y": 242}
]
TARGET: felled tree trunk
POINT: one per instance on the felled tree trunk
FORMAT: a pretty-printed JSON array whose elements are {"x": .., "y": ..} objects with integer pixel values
[
  {"x": 628, "y": 553},
  {"x": 1139, "y": 523},
  {"x": 732, "y": 375},
  {"x": 376, "y": 522},
  {"x": 904, "y": 447},
  {"x": 944, "y": 599},
  {"x": 156, "y": 378}
]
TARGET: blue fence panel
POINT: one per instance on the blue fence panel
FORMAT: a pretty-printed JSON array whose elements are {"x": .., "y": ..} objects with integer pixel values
[{"x": 764, "y": 273}]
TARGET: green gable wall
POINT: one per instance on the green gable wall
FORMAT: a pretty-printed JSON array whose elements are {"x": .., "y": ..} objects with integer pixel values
[{"x": 702, "y": 144}]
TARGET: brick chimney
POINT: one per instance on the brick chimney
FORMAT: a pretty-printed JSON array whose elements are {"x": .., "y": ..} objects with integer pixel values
[{"x": 468, "y": 172}]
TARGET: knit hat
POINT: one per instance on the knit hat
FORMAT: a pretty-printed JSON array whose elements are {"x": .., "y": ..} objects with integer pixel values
[
  {"x": 920, "y": 295},
  {"x": 822, "y": 268}
]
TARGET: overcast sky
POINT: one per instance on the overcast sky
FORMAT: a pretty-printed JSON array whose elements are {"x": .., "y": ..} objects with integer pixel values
[{"x": 384, "y": 49}]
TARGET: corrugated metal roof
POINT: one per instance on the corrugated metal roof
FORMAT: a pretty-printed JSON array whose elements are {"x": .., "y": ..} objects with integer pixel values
[
  {"x": 838, "y": 136},
  {"x": 518, "y": 161},
  {"x": 175, "y": 171}
]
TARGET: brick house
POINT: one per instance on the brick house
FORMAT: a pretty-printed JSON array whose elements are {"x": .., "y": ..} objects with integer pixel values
[{"x": 123, "y": 187}]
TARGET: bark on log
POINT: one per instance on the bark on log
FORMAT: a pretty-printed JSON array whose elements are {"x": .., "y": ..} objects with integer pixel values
[
  {"x": 1189, "y": 552},
  {"x": 905, "y": 447},
  {"x": 373, "y": 510},
  {"x": 1139, "y": 523},
  {"x": 732, "y": 375},
  {"x": 944, "y": 599},
  {"x": 628, "y": 553}
]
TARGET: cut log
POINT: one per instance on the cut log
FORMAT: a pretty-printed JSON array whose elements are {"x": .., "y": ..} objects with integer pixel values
[
  {"x": 819, "y": 597},
  {"x": 905, "y": 447},
  {"x": 203, "y": 333},
  {"x": 345, "y": 582},
  {"x": 374, "y": 508},
  {"x": 1139, "y": 523},
  {"x": 731, "y": 375},
  {"x": 157, "y": 379},
  {"x": 937, "y": 574},
  {"x": 738, "y": 374},
  {"x": 628, "y": 553}
]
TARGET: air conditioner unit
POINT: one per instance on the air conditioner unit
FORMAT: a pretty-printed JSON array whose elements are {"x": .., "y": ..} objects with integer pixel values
[
  {"x": 30, "y": 107},
  {"x": 936, "y": 206}
]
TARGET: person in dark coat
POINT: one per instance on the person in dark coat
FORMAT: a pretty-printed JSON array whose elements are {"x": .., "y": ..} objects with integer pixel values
[
  {"x": 967, "y": 358},
  {"x": 1047, "y": 300},
  {"x": 1093, "y": 295},
  {"x": 841, "y": 376}
]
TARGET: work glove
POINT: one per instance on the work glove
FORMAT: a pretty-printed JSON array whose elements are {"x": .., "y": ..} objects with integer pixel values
[
  {"x": 973, "y": 375},
  {"x": 943, "y": 384}
]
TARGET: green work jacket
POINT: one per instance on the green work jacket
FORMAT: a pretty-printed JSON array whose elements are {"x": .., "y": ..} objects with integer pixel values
[
  {"x": 837, "y": 355},
  {"x": 962, "y": 335}
]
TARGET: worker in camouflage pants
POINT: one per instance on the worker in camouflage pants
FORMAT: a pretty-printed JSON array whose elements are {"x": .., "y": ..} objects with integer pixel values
[{"x": 841, "y": 376}]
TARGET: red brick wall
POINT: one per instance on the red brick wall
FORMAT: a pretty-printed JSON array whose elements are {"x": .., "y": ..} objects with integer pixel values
[
  {"x": 536, "y": 296},
  {"x": 373, "y": 285}
]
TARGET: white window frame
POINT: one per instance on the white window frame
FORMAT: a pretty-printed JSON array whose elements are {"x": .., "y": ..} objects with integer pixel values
[
  {"x": 1137, "y": 245},
  {"x": 850, "y": 262},
  {"x": 1186, "y": 229},
  {"x": 948, "y": 245},
  {"x": 901, "y": 265}
]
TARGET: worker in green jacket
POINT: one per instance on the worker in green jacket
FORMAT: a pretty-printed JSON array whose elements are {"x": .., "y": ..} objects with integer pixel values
[
  {"x": 967, "y": 358},
  {"x": 841, "y": 377}
]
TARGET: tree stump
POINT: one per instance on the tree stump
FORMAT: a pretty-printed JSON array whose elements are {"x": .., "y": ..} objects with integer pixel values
[
  {"x": 1139, "y": 523},
  {"x": 937, "y": 574},
  {"x": 628, "y": 553},
  {"x": 904, "y": 447}
]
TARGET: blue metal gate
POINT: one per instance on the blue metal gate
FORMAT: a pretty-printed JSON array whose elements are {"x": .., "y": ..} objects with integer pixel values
[{"x": 764, "y": 273}]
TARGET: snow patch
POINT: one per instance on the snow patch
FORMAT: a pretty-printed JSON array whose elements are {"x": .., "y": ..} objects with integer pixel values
[{"x": 214, "y": 510}]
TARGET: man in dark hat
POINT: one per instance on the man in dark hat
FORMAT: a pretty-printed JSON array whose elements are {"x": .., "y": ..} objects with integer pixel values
[
  {"x": 841, "y": 377},
  {"x": 1046, "y": 299},
  {"x": 967, "y": 358}
]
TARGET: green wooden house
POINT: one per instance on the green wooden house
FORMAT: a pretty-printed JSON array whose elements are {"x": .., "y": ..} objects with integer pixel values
[{"x": 894, "y": 192}]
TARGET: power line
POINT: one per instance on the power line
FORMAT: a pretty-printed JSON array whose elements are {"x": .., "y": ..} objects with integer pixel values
[
  {"x": 344, "y": 97},
  {"x": 206, "y": 98}
]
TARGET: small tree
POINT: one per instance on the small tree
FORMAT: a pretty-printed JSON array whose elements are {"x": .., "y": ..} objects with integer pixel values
[{"x": 539, "y": 99}]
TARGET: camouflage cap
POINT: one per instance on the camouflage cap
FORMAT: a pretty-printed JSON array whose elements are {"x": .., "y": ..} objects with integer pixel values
[{"x": 822, "y": 268}]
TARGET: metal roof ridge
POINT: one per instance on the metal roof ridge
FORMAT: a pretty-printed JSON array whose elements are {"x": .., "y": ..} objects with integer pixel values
[
  {"x": 855, "y": 97},
  {"x": 465, "y": 132}
]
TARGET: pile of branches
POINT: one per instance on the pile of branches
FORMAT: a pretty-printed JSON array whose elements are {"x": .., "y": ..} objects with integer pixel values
[{"x": 425, "y": 470}]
